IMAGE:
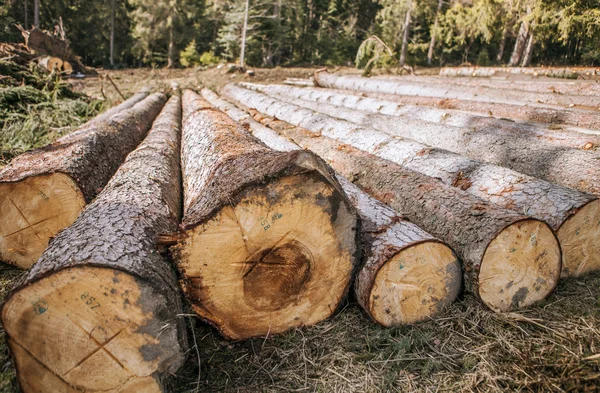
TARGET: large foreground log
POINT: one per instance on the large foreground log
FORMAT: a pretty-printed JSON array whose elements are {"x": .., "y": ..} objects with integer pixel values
[
  {"x": 575, "y": 216},
  {"x": 386, "y": 85},
  {"x": 99, "y": 310},
  {"x": 407, "y": 275},
  {"x": 543, "y": 114},
  {"x": 574, "y": 168},
  {"x": 44, "y": 190},
  {"x": 510, "y": 261},
  {"x": 269, "y": 237},
  {"x": 528, "y": 132}
]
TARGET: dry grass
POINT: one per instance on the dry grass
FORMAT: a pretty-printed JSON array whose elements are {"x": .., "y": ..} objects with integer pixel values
[{"x": 552, "y": 347}]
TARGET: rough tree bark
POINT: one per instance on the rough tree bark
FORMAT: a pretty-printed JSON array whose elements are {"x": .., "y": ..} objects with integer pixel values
[
  {"x": 44, "y": 190},
  {"x": 509, "y": 260},
  {"x": 99, "y": 310},
  {"x": 574, "y": 215},
  {"x": 566, "y": 166},
  {"x": 566, "y": 136},
  {"x": 406, "y": 275},
  {"x": 482, "y": 94},
  {"x": 269, "y": 237},
  {"x": 128, "y": 103},
  {"x": 549, "y": 114}
]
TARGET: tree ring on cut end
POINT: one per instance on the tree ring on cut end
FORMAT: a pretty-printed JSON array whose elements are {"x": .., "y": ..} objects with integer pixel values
[
  {"x": 34, "y": 210},
  {"x": 89, "y": 329},
  {"x": 520, "y": 267},
  {"x": 415, "y": 284},
  {"x": 279, "y": 256},
  {"x": 579, "y": 238}
]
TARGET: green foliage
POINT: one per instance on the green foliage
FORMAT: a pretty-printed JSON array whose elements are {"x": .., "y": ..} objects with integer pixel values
[
  {"x": 373, "y": 52},
  {"x": 209, "y": 59},
  {"x": 189, "y": 56}
]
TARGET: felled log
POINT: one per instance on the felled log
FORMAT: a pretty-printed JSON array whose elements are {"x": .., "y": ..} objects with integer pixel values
[
  {"x": 44, "y": 190},
  {"x": 99, "y": 310},
  {"x": 269, "y": 237},
  {"x": 510, "y": 261},
  {"x": 67, "y": 68},
  {"x": 394, "y": 86},
  {"x": 575, "y": 216},
  {"x": 543, "y": 114},
  {"x": 128, "y": 103},
  {"x": 569, "y": 167},
  {"x": 406, "y": 275},
  {"x": 52, "y": 64},
  {"x": 529, "y": 132}
]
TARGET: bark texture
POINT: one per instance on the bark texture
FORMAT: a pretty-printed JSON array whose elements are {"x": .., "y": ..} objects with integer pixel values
[
  {"x": 92, "y": 156},
  {"x": 549, "y": 114},
  {"x": 128, "y": 103},
  {"x": 394, "y": 86},
  {"x": 466, "y": 223},
  {"x": 421, "y": 287},
  {"x": 530, "y": 133},
  {"x": 569, "y": 167},
  {"x": 540, "y": 199},
  {"x": 115, "y": 236},
  {"x": 254, "y": 200}
]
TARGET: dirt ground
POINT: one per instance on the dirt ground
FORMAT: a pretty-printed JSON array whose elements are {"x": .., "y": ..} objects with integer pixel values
[{"x": 552, "y": 347}]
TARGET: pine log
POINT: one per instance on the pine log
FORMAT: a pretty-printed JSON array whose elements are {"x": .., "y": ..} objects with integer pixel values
[
  {"x": 269, "y": 237},
  {"x": 67, "y": 68},
  {"x": 542, "y": 114},
  {"x": 386, "y": 85},
  {"x": 556, "y": 72},
  {"x": 128, "y": 103},
  {"x": 510, "y": 261},
  {"x": 406, "y": 275},
  {"x": 575, "y": 216},
  {"x": 99, "y": 310},
  {"x": 44, "y": 190},
  {"x": 569, "y": 167},
  {"x": 531, "y": 133}
]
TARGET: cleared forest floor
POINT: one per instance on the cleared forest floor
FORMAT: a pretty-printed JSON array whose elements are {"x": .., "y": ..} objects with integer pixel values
[{"x": 554, "y": 346}]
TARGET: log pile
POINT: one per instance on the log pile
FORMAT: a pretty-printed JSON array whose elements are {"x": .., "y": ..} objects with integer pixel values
[
  {"x": 44, "y": 190},
  {"x": 276, "y": 201},
  {"x": 98, "y": 311}
]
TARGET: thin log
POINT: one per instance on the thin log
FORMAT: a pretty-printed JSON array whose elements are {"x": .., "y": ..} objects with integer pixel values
[
  {"x": 387, "y": 85},
  {"x": 406, "y": 275},
  {"x": 269, "y": 237},
  {"x": 509, "y": 260},
  {"x": 99, "y": 310},
  {"x": 44, "y": 190},
  {"x": 529, "y": 132},
  {"x": 575, "y": 216}
]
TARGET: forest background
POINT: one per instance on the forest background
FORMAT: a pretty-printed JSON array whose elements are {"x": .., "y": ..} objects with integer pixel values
[{"x": 317, "y": 32}]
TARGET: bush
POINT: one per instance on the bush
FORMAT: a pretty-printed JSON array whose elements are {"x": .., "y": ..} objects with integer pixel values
[
  {"x": 189, "y": 57},
  {"x": 209, "y": 59}
]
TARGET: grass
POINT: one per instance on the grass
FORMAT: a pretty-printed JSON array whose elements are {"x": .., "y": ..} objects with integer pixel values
[{"x": 553, "y": 347}]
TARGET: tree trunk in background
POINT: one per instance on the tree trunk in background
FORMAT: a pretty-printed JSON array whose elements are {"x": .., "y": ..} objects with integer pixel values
[
  {"x": 405, "y": 35},
  {"x": 25, "y": 11},
  {"x": 103, "y": 298},
  {"x": 171, "y": 61},
  {"x": 36, "y": 13},
  {"x": 502, "y": 43},
  {"x": 244, "y": 28},
  {"x": 112, "y": 33},
  {"x": 519, "y": 46},
  {"x": 528, "y": 51},
  {"x": 434, "y": 32}
]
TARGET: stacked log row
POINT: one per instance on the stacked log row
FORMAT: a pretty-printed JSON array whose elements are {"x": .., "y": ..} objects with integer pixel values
[
  {"x": 128, "y": 103},
  {"x": 574, "y": 215},
  {"x": 574, "y": 168},
  {"x": 269, "y": 237},
  {"x": 509, "y": 260},
  {"x": 537, "y": 113},
  {"x": 99, "y": 310},
  {"x": 567, "y": 136},
  {"x": 383, "y": 85},
  {"x": 43, "y": 191},
  {"x": 407, "y": 275}
]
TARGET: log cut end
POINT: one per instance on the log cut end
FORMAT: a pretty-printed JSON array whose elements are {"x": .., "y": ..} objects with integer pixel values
[
  {"x": 520, "y": 267},
  {"x": 32, "y": 211},
  {"x": 415, "y": 284},
  {"x": 90, "y": 329},
  {"x": 280, "y": 256},
  {"x": 579, "y": 237}
]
